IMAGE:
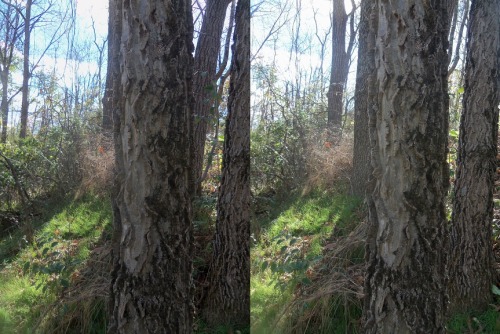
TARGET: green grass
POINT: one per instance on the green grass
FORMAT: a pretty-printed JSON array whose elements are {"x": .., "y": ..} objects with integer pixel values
[
  {"x": 487, "y": 322},
  {"x": 291, "y": 242},
  {"x": 34, "y": 274}
]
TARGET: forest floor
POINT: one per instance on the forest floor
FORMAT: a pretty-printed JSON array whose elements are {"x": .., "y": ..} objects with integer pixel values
[{"x": 307, "y": 265}]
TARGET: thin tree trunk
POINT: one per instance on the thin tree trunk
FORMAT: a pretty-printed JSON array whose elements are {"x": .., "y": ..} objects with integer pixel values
[
  {"x": 405, "y": 282},
  {"x": 204, "y": 79},
  {"x": 113, "y": 67},
  {"x": 456, "y": 53},
  {"x": 338, "y": 75},
  {"x": 471, "y": 266},
  {"x": 151, "y": 281},
  {"x": 26, "y": 70},
  {"x": 363, "y": 99},
  {"x": 4, "y": 105},
  {"x": 229, "y": 297}
]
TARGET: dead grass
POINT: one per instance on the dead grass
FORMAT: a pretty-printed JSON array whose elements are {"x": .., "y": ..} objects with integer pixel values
[
  {"x": 328, "y": 163},
  {"x": 97, "y": 162},
  {"x": 334, "y": 298},
  {"x": 82, "y": 306}
]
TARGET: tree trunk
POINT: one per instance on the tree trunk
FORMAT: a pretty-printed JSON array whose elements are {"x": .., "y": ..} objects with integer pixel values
[
  {"x": 338, "y": 75},
  {"x": 113, "y": 66},
  {"x": 365, "y": 98},
  {"x": 26, "y": 70},
  {"x": 4, "y": 105},
  {"x": 229, "y": 297},
  {"x": 204, "y": 79},
  {"x": 151, "y": 281},
  {"x": 405, "y": 282},
  {"x": 472, "y": 259}
]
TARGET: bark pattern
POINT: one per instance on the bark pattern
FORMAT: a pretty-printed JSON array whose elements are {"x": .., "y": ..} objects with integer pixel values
[
  {"x": 471, "y": 231},
  {"x": 229, "y": 298},
  {"x": 406, "y": 275},
  {"x": 151, "y": 281}
]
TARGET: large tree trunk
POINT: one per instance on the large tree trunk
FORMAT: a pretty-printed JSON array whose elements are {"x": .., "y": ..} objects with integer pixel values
[
  {"x": 151, "y": 281},
  {"x": 26, "y": 70},
  {"x": 365, "y": 98},
  {"x": 472, "y": 259},
  {"x": 229, "y": 297},
  {"x": 405, "y": 281},
  {"x": 204, "y": 80},
  {"x": 340, "y": 65}
]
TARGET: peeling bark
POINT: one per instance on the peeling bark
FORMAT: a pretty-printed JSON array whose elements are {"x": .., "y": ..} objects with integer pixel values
[
  {"x": 152, "y": 243},
  {"x": 406, "y": 276}
]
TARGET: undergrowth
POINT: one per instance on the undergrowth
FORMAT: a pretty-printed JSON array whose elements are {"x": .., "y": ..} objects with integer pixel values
[
  {"x": 37, "y": 276},
  {"x": 289, "y": 247}
]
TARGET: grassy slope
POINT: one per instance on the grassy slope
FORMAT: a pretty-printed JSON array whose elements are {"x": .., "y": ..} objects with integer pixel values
[
  {"x": 32, "y": 276},
  {"x": 290, "y": 244},
  {"x": 296, "y": 227}
]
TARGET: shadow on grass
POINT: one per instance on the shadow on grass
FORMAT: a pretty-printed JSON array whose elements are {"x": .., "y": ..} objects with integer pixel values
[{"x": 57, "y": 283}]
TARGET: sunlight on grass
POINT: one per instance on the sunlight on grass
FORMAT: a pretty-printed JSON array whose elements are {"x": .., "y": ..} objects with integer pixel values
[
  {"x": 289, "y": 245},
  {"x": 37, "y": 272}
]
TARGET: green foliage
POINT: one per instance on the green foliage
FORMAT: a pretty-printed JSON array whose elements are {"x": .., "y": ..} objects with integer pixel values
[
  {"x": 45, "y": 268},
  {"x": 41, "y": 166},
  {"x": 473, "y": 322},
  {"x": 289, "y": 248}
]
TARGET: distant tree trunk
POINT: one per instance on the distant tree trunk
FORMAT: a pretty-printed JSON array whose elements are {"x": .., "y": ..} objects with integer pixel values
[
  {"x": 405, "y": 282},
  {"x": 204, "y": 79},
  {"x": 113, "y": 66},
  {"x": 365, "y": 98},
  {"x": 472, "y": 259},
  {"x": 151, "y": 281},
  {"x": 26, "y": 70},
  {"x": 229, "y": 297},
  {"x": 454, "y": 55},
  {"x": 4, "y": 106},
  {"x": 340, "y": 64}
]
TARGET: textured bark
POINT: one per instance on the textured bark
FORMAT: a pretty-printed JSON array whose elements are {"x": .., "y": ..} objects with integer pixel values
[
  {"x": 26, "y": 70},
  {"x": 340, "y": 65},
  {"x": 406, "y": 275},
  {"x": 229, "y": 297},
  {"x": 204, "y": 80},
  {"x": 364, "y": 99},
  {"x": 151, "y": 280},
  {"x": 472, "y": 259}
]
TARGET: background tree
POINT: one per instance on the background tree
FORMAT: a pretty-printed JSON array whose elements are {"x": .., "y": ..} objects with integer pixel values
[
  {"x": 206, "y": 73},
  {"x": 26, "y": 68},
  {"x": 151, "y": 281},
  {"x": 365, "y": 99},
  {"x": 340, "y": 67},
  {"x": 471, "y": 265},
  {"x": 405, "y": 279},
  {"x": 11, "y": 30},
  {"x": 113, "y": 66},
  {"x": 229, "y": 296}
]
